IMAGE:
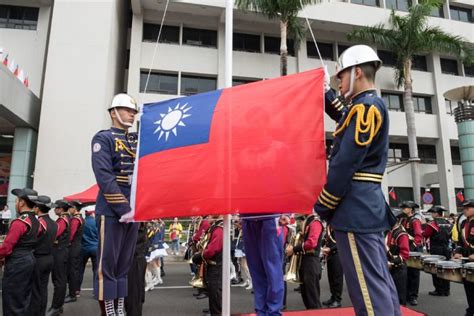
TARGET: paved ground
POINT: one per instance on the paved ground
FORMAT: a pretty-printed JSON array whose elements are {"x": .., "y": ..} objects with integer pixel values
[{"x": 174, "y": 297}]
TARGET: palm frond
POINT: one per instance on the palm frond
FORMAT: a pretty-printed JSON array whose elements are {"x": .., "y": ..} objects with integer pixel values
[
  {"x": 375, "y": 34},
  {"x": 296, "y": 31}
]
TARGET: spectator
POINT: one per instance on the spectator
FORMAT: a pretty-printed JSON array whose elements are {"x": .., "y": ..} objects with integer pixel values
[
  {"x": 175, "y": 235},
  {"x": 90, "y": 240}
]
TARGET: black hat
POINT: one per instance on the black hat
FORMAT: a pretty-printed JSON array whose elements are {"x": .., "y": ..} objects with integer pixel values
[
  {"x": 409, "y": 204},
  {"x": 76, "y": 204},
  {"x": 468, "y": 203},
  {"x": 44, "y": 202},
  {"x": 437, "y": 209},
  {"x": 61, "y": 204},
  {"x": 26, "y": 194}
]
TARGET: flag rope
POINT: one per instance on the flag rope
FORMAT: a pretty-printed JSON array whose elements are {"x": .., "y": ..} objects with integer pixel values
[
  {"x": 312, "y": 34},
  {"x": 156, "y": 46}
]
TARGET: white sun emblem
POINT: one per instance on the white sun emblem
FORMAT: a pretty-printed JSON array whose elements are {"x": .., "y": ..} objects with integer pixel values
[{"x": 171, "y": 120}]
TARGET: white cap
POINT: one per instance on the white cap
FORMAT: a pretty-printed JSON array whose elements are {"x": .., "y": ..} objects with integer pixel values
[
  {"x": 123, "y": 100},
  {"x": 357, "y": 55}
]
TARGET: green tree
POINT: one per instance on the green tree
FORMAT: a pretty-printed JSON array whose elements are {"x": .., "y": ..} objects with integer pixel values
[
  {"x": 406, "y": 36},
  {"x": 286, "y": 11}
]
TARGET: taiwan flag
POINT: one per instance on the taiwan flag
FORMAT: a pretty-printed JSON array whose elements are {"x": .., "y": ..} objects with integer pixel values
[{"x": 254, "y": 148}]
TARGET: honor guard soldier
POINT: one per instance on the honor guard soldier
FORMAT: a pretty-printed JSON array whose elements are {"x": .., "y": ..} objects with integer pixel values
[
  {"x": 113, "y": 155},
  {"x": 310, "y": 266},
  {"x": 44, "y": 256},
  {"x": 60, "y": 255},
  {"x": 352, "y": 200},
  {"x": 17, "y": 251},
  {"x": 74, "y": 260},
  {"x": 412, "y": 224},
  {"x": 335, "y": 274},
  {"x": 398, "y": 252},
  {"x": 466, "y": 249},
  {"x": 211, "y": 256},
  {"x": 438, "y": 231}
]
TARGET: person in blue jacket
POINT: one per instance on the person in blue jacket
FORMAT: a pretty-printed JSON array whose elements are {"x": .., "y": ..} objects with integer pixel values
[
  {"x": 90, "y": 240},
  {"x": 352, "y": 200},
  {"x": 113, "y": 156}
]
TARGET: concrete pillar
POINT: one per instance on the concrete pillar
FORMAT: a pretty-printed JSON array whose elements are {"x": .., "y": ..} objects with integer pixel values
[
  {"x": 85, "y": 68},
  {"x": 23, "y": 160},
  {"x": 465, "y": 120},
  {"x": 443, "y": 146},
  {"x": 133, "y": 85}
]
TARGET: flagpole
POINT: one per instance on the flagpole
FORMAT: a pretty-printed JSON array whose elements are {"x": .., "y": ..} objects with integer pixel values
[{"x": 229, "y": 7}]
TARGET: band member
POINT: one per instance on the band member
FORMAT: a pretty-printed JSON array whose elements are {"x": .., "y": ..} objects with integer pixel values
[
  {"x": 203, "y": 226},
  {"x": 352, "y": 200},
  {"x": 310, "y": 269},
  {"x": 438, "y": 231},
  {"x": 412, "y": 224},
  {"x": 16, "y": 252},
  {"x": 74, "y": 260},
  {"x": 284, "y": 221},
  {"x": 44, "y": 257},
  {"x": 60, "y": 255},
  {"x": 466, "y": 249},
  {"x": 335, "y": 274},
  {"x": 211, "y": 256},
  {"x": 113, "y": 154},
  {"x": 398, "y": 251}
]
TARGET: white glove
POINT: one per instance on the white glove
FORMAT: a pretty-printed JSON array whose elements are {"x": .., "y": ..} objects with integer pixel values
[
  {"x": 127, "y": 217},
  {"x": 327, "y": 79}
]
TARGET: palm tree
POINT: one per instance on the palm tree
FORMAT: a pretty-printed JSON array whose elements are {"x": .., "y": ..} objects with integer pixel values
[
  {"x": 287, "y": 13},
  {"x": 407, "y": 36}
]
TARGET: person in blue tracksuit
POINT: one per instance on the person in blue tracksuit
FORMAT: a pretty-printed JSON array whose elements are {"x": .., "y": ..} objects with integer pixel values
[
  {"x": 113, "y": 154},
  {"x": 352, "y": 200}
]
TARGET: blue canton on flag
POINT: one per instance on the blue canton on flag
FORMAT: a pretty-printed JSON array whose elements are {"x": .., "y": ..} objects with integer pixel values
[{"x": 177, "y": 123}]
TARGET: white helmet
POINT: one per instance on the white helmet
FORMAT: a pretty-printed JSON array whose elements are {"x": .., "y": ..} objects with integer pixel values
[
  {"x": 357, "y": 55},
  {"x": 123, "y": 100}
]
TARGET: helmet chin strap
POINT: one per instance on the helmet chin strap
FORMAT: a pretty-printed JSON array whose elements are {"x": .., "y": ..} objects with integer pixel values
[
  {"x": 119, "y": 118},
  {"x": 351, "y": 84}
]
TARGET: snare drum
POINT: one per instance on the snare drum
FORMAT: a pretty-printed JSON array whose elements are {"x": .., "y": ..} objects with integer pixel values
[
  {"x": 429, "y": 262},
  {"x": 415, "y": 261},
  {"x": 449, "y": 270},
  {"x": 468, "y": 271}
]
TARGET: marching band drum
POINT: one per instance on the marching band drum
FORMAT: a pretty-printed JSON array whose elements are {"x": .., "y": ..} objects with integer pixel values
[{"x": 454, "y": 270}]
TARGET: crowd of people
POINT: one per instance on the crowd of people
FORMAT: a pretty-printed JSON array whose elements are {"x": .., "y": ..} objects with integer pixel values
[{"x": 347, "y": 230}]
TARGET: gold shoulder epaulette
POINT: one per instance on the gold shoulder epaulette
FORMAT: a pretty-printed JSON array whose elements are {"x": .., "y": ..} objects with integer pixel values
[{"x": 365, "y": 123}]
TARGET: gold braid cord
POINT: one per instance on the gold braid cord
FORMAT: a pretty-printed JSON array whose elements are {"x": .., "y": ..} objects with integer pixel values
[
  {"x": 119, "y": 145},
  {"x": 371, "y": 124}
]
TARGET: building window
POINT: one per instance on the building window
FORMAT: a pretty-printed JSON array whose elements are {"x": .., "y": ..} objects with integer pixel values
[
  {"x": 373, "y": 3},
  {"x": 398, "y": 152},
  {"x": 422, "y": 104},
  {"x": 450, "y": 106},
  {"x": 449, "y": 66},
  {"x": 341, "y": 48},
  {"x": 455, "y": 155},
  {"x": 393, "y": 101},
  {"x": 427, "y": 154},
  {"x": 163, "y": 83},
  {"x": 272, "y": 45},
  {"x": 460, "y": 14},
  {"x": 326, "y": 50},
  {"x": 191, "y": 84},
  {"x": 419, "y": 63},
  {"x": 241, "y": 81},
  {"x": 169, "y": 34},
  {"x": 437, "y": 12},
  {"x": 402, "y": 194},
  {"x": 199, "y": 37},
  {"x": 16, "y": 17},
  {"x": 387, "y": 58},
  {"x": 469, "y": 70},
  {"x": 401, "y": 5},
  {"x": 247, "y": 42}
]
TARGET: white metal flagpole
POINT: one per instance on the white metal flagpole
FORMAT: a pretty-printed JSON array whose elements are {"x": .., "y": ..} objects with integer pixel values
[{"x": 229, "y": 7}]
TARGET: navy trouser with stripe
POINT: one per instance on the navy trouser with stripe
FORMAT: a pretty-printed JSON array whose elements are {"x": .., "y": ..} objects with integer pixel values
[
  {"x": 370, "y": 285},
  {"x": 115, "y": 252}
]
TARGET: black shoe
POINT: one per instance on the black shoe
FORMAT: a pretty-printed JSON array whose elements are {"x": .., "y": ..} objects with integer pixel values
[
  {"x": 54, "y": 311},
  {"x": 435, "y": 293},
  {"x": 196, "y": 294},
  {"x": 201, "y": 296},
  {"x": 334, "y": 304},
  {"x": 234, "y": 281},
  {"x": 413, "y": 302},
  {"x": 205, "y": 310},
  {"x": 297, "y": 289},
  {"x": 328, "y": 302},
  {"x": 162, "y": 273},
  {"x": 69, "y": 299}
]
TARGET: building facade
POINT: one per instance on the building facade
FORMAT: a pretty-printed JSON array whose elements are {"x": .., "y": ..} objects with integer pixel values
[{"x": 80, "y": 53}]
